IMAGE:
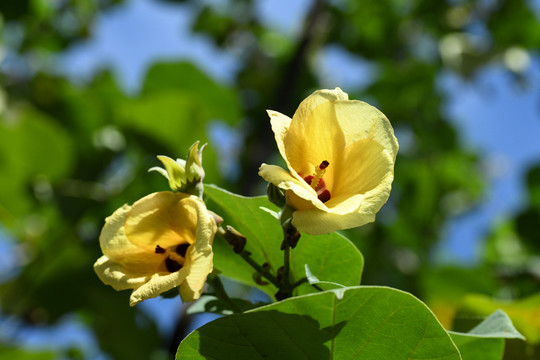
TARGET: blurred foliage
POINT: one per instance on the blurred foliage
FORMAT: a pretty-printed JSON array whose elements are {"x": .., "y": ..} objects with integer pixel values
[{"x": 71, "y": 154}]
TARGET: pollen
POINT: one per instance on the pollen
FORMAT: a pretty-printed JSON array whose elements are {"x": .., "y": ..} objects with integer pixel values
[{"x": 319, "y": 173}]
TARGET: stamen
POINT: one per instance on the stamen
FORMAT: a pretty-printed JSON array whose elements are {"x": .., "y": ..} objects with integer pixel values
[
  {"x": 171, "y": 265},
  {"x": 316, "y": 181},
  {"x": 319, "y": 172},
  {"x": 159, "y": 250},
  {"x": 182, "y": 249},
  {"x": 324, "y": 196}
]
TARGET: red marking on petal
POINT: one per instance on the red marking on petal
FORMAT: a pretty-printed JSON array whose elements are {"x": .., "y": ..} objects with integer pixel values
[
  {"x": 324, "y": 196},
  {"x": 182, "y": 249},
  {"x": 172, "y": 265},
  {"x": 308, "y": 179}
]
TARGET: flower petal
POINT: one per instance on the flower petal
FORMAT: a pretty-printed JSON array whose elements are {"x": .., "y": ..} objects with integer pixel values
[
  {"x": 115, "y": 275},
  {"x": 349, "y": 212},
  {"x": 359, "y": 120},
  {"x": 161, "y": 218},
  {"x": 313, "y": 135},
  {"x": 199, "y": 258},
  {"x": 157, "y": 285},
  {"x": 363, "y": 166},
  {"x": 284, "y": 180},
  {"x": 116, "y": 245}
]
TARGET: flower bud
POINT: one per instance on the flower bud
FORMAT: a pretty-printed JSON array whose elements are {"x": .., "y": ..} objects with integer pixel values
[
  {"x": 174, "y": 171},
  {"x": 184, "y": 175},
  {"x": 275, "y": 195},
  {"x": 194, "y": 169}
]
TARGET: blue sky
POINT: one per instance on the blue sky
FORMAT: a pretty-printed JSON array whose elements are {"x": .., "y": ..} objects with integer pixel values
[{"x": 494, "y": 117}]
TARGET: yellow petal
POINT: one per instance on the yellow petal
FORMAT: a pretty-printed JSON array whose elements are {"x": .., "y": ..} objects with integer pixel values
[
  {"x": 314, "y": 139},
  {"x": 161, "y": 218},
  {"x": 362, "y": 167},
  {"x": 284, "y": 180},
  {"x": 115, "y": 275},
  {"x": 346, "y": 211},
  {"x": 199, "y": 256},
  {"x": 359, "y": 120},
  {"x": 117, "y": 247},
  {"x": 156, "y": 285},
  {"x": 317, "y": 98}
]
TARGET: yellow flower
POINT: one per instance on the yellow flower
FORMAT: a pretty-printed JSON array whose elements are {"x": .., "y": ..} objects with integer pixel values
[
  {"x": 163, "y": 241},
  {"x": 340, "y": 154}
]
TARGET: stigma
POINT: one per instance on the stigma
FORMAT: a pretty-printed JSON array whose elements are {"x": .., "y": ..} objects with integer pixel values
[{"x": 317, "y": 183}]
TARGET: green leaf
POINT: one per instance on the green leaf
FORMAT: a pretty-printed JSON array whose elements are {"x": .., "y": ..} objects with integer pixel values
[
  {"x": 478, "y": 348},
  {"x": 33, "y": 147},
  {"x": 330, "y": 257},
  {"x": 369, "y": 323},
  {"x": 485, "y": 341},
  {"x": 212, "y": 304},
  {"x": 497, "y": 325},
  {"x": 218, "y": 101},
  {"x": 312, "y": 280},
  {"x": 523, "y": 313},
  {"x": 16, "y": 353}
]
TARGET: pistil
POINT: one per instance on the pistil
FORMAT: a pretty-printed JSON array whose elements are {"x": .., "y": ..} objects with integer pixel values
[
  {"x": 319, "y": 172},
  {"x": 316, "y": 181}
]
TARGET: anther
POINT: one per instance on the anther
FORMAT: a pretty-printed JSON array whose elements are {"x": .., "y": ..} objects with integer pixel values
[
  {"x": 324, "y": 196},
  {"x": 159, "y": 250}
]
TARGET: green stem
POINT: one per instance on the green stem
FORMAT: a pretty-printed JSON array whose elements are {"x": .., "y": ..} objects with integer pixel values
[
  {"x": 299, "y": 282},
  {"x": 247, "y": 258},
  {"x": 287, "y": 288}
]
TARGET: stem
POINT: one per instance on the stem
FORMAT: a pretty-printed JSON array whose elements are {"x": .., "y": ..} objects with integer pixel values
[
  {"x": 247, "y": 258},
  {"x": 261, "y": 270},
  {"x": 299, "y": 282},
  {"x": 287, "y": 288}
]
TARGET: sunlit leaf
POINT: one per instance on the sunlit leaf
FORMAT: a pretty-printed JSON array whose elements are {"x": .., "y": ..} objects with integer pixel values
[
  {"x": 368, "y": 323},
  {"x": 486, "y": 340},
  {"x": 330, "y": 257},
  {"x": 525, "y": 313}
]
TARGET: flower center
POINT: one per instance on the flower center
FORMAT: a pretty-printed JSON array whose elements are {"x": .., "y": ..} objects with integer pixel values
[
  {"x": 316, "y": 181},
  {"x": 175, "y": 259}
]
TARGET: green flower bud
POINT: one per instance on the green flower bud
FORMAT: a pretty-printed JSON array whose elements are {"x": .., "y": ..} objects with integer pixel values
[
  {"x": 194, "y": 169},
  {"x": 184, "y": 175},
  {"x": 275, "y": 195},
  {"x": 175, "y": 172}
]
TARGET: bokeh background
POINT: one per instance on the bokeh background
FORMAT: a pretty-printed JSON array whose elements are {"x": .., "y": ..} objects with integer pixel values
[{"x": 91, "y": 91}]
